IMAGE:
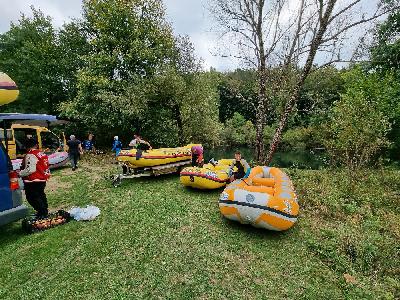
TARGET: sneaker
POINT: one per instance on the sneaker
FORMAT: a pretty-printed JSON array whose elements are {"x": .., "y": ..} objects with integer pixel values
[{"x": 73, "y": 169}]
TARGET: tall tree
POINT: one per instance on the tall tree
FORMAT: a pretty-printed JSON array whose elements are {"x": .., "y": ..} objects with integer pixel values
[
  {"x": 29, "y": 54},
  {"x": 129, "y": 42},
  {"x": 385, "y": 53},
  {"x": 246, "y": 19},
  {"x": 73, "y": 46},
  {"x": 44, "y": 61},
  {"x": 385, "y": 60},
  {"x": 289, "y": 35}
]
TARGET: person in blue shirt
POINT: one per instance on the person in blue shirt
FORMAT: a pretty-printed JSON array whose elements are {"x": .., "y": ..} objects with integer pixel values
[
  {"x": 117, "y": 146},
  {"x": 88, "y": 145}
]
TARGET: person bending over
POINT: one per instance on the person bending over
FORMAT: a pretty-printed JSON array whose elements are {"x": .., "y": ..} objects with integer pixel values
[
  {"x": 197, "y": 156},
  {"x": 140, "y": 145}
]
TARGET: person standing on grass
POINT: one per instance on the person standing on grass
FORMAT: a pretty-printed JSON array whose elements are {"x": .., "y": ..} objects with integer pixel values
[
  {"x": 74, "y": 151},
  {"x": 35, "y": 173},
  {"x": 117, "y": 146},
  {"x": 89, "y": 144}
]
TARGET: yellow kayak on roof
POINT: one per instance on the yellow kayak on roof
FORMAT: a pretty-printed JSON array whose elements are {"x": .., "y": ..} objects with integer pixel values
[
  {"x": 208, "y": 177},
  {"x": 8, "y": 89},
  {"x": 155, "y": 157}
]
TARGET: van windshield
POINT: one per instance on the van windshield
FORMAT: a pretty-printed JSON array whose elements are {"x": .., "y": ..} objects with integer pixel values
[
  {"x": 20, "y": 136},
  {"x": 50, "y": 142}
]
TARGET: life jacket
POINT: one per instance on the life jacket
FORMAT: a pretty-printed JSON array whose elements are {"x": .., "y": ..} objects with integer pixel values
[
  {"x": 42, "y": 173},
  {"x": 242, "y": 167},
  {"x": 117, "y": 145}
]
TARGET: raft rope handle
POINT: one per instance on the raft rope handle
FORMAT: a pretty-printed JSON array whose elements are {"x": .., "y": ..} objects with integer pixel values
[{"x": 243, "y": 179}]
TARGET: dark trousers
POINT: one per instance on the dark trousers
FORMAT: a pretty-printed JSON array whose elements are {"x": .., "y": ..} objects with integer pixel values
[
  {"x": 194, "y": 161},
  {"x": 238, "y": 175},
  {"x": 73, "y": 157},
  {"x": 141, "y": 148},
  {"x": 36, "y": 197}
]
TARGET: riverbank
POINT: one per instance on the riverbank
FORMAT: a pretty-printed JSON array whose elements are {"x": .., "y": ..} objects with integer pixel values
[{"x": 157, "y": 239}]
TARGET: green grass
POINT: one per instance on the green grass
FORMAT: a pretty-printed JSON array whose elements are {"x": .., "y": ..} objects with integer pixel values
[{"x": 156, "y": 239}]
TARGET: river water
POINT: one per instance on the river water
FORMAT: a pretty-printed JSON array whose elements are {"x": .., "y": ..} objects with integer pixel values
[{"x": 291, "y": 159}]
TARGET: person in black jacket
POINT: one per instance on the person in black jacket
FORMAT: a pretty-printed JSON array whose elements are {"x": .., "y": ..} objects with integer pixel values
[
  {"x": 74, "y": 151},
  {"x": 239, "y": 167}
]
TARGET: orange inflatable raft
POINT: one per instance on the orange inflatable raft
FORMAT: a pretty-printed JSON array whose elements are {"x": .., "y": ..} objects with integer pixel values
[{"x": 266, "y": 199}]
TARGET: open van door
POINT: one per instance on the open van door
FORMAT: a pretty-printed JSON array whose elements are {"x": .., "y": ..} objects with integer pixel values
[
  {"x": 11, "y": 207},
  {"x": 24, "y": 125}
]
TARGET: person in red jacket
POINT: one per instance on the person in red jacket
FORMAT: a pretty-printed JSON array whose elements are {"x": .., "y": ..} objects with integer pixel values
[{"x": 35, "y": 172}]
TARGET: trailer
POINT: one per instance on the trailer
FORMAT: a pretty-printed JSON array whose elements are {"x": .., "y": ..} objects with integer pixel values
[{"x": 128, "y": 172}]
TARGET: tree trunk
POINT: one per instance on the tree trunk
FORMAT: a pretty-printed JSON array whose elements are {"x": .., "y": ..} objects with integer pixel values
[
  {"x": 178, "y": 118},
  {"x": 262, "y": 95},
  {"x": 260, "y": 118},
  {"x": 324, "y": 22},
  {"x": 282, "y": 123}
]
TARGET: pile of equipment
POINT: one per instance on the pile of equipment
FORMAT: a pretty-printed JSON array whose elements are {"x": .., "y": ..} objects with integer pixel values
[{"x": 34, "y": 224}]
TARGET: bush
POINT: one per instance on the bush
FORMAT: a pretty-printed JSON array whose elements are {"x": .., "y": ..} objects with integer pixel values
[
  {"x": 294, "y": 139},
  {"x": 299, "y": 138},
  {"x": 238, "y": 131},
  {"x": 359, "y": 122},
  {"x": 355, "y": 132}
]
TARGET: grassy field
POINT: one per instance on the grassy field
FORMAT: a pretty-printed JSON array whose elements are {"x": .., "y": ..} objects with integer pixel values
[{"x": 157, "y": 239}]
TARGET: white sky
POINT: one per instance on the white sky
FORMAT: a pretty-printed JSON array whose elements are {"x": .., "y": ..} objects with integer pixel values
[{"x": 186, "y": 16}]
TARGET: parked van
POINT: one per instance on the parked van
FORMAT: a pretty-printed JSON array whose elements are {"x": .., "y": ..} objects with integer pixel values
[
  {"x": 49, "y": 142},
  {"x": 11, "y": 207}
]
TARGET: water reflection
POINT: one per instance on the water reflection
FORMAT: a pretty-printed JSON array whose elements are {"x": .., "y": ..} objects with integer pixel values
[{"x": 290, "y": 159}]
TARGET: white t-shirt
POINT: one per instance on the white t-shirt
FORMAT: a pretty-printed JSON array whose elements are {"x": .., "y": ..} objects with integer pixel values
[{"x": 133, "y": 143}]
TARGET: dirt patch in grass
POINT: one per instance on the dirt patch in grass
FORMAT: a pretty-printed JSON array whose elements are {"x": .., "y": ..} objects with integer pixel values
[{"x": 56, "y": 184}]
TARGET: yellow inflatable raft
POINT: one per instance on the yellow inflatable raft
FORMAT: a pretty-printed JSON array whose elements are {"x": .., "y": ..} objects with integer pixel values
[
  {"x": 266, "y": 199},
  {"x": 155, "y": 157},
  {"x": 8, "y": 89},
  {"x": 207, "y": 177}
]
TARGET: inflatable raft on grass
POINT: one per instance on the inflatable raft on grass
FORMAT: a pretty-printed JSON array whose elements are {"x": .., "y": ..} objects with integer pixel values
[
  {"x": 155, "y": 157},
  {"x": 207, "y": 177},
  {"x": 56, "y": 160},
  {"x": 155, "y": 162},
  {"x": 266, "y": 199}
]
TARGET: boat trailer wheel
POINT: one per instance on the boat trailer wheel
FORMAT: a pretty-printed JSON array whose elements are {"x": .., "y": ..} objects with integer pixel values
[{"x": 117, "y": 181}]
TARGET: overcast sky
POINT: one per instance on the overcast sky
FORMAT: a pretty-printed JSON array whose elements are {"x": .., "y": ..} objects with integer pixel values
[{"x": 186, "y": 16}]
